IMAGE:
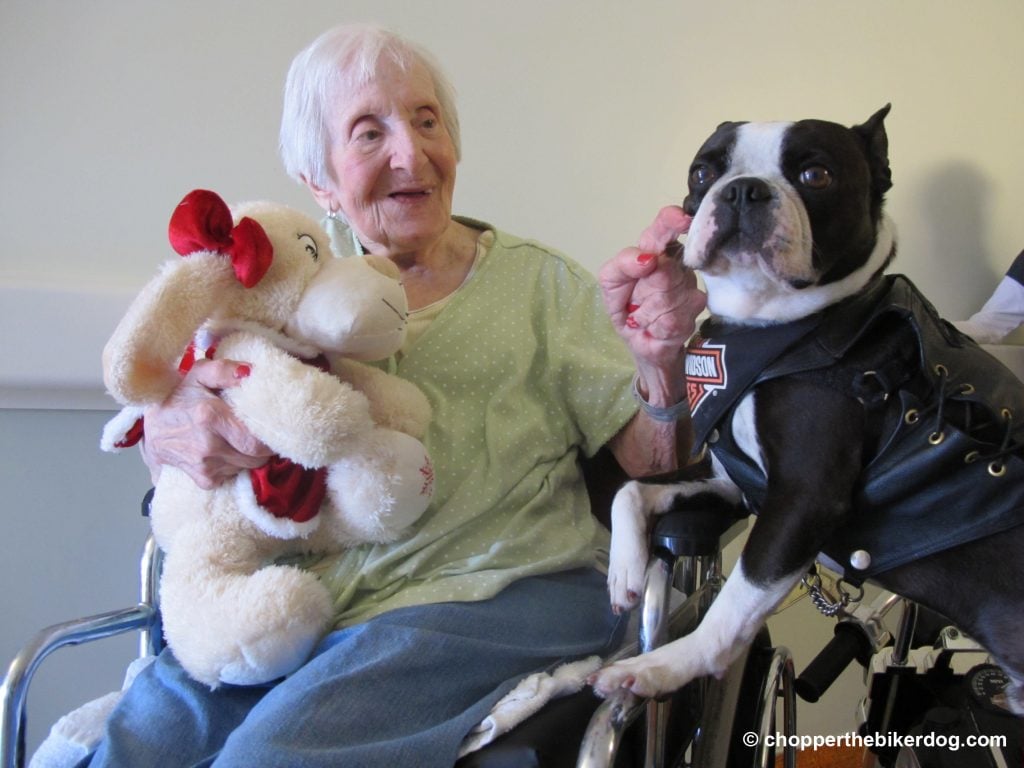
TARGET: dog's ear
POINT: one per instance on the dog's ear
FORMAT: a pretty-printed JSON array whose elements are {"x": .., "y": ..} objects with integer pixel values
[{"x": 876, "y": 142}]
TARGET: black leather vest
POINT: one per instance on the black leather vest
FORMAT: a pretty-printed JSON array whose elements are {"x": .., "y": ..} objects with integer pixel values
[{"x": 945, "y": 463}]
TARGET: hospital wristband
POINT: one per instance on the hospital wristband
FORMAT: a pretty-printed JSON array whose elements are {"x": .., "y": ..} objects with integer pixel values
[{"x": 665, "y": 415}]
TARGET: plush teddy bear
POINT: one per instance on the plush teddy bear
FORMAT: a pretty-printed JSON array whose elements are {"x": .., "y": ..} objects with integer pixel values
[{"x": 261, "y": 286}]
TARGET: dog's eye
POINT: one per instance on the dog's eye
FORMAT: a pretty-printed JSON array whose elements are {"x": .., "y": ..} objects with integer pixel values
[
  {"x": 702, "y": 175},
  {"x": 816, "y": 177},
  {"x": 310, "y": 245}
]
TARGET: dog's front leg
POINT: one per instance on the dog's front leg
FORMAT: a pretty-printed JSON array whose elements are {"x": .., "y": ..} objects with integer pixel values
[
  {"x": 808, "y": 440},
  {"x": 627, "y": 558},
  {"x": 731, "y": 623},
  {"x": 633, "y": 508}
]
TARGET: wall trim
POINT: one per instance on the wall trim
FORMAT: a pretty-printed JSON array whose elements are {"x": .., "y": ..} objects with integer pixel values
[{"x": 52, "y": 343}]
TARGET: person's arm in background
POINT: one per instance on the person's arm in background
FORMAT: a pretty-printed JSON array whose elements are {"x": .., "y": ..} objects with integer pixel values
[{"x": 1003, "y": 313}]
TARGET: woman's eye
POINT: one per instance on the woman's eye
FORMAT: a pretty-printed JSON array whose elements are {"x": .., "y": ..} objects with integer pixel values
[
  {"x": 366, "y": 129},
  {"x": 702, "y": 175},
  {"x": 427, "y": 119},
  {"x": 816, "y": 177},
  {"x": 369, "y": 135},
  {"x": 310, "y": 245}
]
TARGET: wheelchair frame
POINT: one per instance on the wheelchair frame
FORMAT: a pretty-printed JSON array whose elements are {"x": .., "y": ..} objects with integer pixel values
[
  {"x": 687, "y": 554},
  {"x": 688, "y": 557},
  {"x": 143, "y": 618},
  {"x": 697, "y": 726}
]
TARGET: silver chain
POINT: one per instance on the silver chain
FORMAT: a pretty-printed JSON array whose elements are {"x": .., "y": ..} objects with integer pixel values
[{"x": 826, "y": 603}]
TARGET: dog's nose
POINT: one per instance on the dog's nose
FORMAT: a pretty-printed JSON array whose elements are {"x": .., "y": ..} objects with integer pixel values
[{"x": 746, "y": 190}]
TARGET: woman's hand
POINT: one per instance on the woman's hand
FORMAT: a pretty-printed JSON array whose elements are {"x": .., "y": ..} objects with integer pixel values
[
  {"x": 653, "y": 302},
  {"x": 195, "y": 431}
]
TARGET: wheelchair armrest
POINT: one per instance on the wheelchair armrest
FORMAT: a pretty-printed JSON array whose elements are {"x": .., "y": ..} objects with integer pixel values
[
  {"x": 14, "y": 691},
  {"x": 697, "y": 530},
  {"x": 143, "y": 617}
]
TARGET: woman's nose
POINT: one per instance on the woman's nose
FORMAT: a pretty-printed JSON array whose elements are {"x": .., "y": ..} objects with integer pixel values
[{"x": 406, "y": 149}]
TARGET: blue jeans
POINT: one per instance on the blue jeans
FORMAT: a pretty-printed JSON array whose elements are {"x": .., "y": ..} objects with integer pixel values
[{"x": 401, "y": 689}]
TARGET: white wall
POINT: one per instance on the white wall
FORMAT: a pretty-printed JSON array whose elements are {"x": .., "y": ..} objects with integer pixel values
[{"x": 579, "y": 119}]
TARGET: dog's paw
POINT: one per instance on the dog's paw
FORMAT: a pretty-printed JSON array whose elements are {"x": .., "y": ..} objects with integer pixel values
[
  {"x": 625, "y": 582},
  {"x": 642, "y": 675},
  {"x": 609, "y": 679},
  {"x": 627, "y": 560},
  {"x": 651, "y": 675}
]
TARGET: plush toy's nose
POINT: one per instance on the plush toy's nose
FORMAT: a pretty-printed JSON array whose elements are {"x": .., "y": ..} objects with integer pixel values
[{"x": 354, "y": 306}]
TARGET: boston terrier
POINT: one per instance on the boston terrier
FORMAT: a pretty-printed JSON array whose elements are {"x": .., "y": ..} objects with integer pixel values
[{"x": 860, "y": 428}]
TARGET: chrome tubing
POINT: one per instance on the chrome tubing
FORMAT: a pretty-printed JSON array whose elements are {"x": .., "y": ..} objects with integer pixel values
[
  {"x": 14, "y": 690},
  {"x": 604, "y": 734},
  {"x": 151, "y": 640},
  {"x": 653, "y": 633},
  {"x": 779, "y": 681}
]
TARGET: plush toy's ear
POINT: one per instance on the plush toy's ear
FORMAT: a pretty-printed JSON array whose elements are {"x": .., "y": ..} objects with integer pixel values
[{"x": 140, "y": 362}]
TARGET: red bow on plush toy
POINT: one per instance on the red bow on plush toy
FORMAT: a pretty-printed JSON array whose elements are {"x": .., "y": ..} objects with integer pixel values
[{"x": 202, "y": 222}]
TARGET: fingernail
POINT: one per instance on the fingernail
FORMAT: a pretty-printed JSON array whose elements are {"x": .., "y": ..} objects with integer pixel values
[
  {"x": 631, "y": 322},
  {"x": 632, "y": 307},
  {"x": 632, "y": 595},
  {"x": 646, "y": 258},
  {"x": 242, "y": 371}
]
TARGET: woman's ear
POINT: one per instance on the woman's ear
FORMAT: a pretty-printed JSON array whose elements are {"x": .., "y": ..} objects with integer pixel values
[{"x": 324, "y": 197}]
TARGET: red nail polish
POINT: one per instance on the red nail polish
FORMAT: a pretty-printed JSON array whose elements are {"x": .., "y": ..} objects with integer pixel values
[
  {"x": 632, "y": 307},
  {"x": 631, "y": 322},
  {"x": 646, "y": 258},
  {"x": 242, "y": 371}
]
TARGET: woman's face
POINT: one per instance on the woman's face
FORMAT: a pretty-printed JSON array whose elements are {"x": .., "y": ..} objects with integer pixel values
[{"x": 392, "y": 163}]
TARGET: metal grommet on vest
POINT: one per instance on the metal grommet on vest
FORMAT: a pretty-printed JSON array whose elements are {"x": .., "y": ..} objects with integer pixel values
[{"x": 860, "y": 559}]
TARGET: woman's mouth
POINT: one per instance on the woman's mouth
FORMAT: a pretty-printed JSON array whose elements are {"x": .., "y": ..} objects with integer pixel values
[{"x": 409, "y": 194}]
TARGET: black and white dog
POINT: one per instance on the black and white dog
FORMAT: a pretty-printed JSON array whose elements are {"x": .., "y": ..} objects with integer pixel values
[{"x": 835, "y": 404}]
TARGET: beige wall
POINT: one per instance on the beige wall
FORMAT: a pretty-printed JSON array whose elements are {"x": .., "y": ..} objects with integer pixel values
[
  {"x": 579, "y": 122},
  {"x": 580, "y": 118}
]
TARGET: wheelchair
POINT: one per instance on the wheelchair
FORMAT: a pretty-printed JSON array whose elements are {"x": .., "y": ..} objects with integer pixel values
[
  {"x": 932, "y": 697},
  {"x": 913, "y": 685},
  {"x": 700, "y": 725}
]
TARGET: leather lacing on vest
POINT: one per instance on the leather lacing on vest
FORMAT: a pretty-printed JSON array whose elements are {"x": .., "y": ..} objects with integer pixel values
[{"x": 973, "y": 423}]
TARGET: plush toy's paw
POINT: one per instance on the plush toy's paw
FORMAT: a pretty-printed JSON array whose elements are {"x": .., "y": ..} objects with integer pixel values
[
  {"x": 412, "y": 479},
  {"x": 123, "y": 430},
  {"x": 273, "y": 655},
  {"x": 243, "y": 628},
  {"x": 381, "y": 492}
]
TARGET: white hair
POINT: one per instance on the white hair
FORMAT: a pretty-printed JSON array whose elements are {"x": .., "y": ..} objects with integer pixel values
[{"x": 328, "y": 71}]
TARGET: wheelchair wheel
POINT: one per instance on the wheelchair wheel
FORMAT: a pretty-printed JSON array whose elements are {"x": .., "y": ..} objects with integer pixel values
[{"x": 767, "y": 677}]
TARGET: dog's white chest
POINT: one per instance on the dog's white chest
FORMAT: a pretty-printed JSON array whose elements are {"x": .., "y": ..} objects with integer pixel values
[{"x": 744, "y": 430}]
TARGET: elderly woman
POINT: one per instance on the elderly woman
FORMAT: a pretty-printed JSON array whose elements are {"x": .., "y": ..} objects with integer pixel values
[{"x": 511, "y": 343}]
